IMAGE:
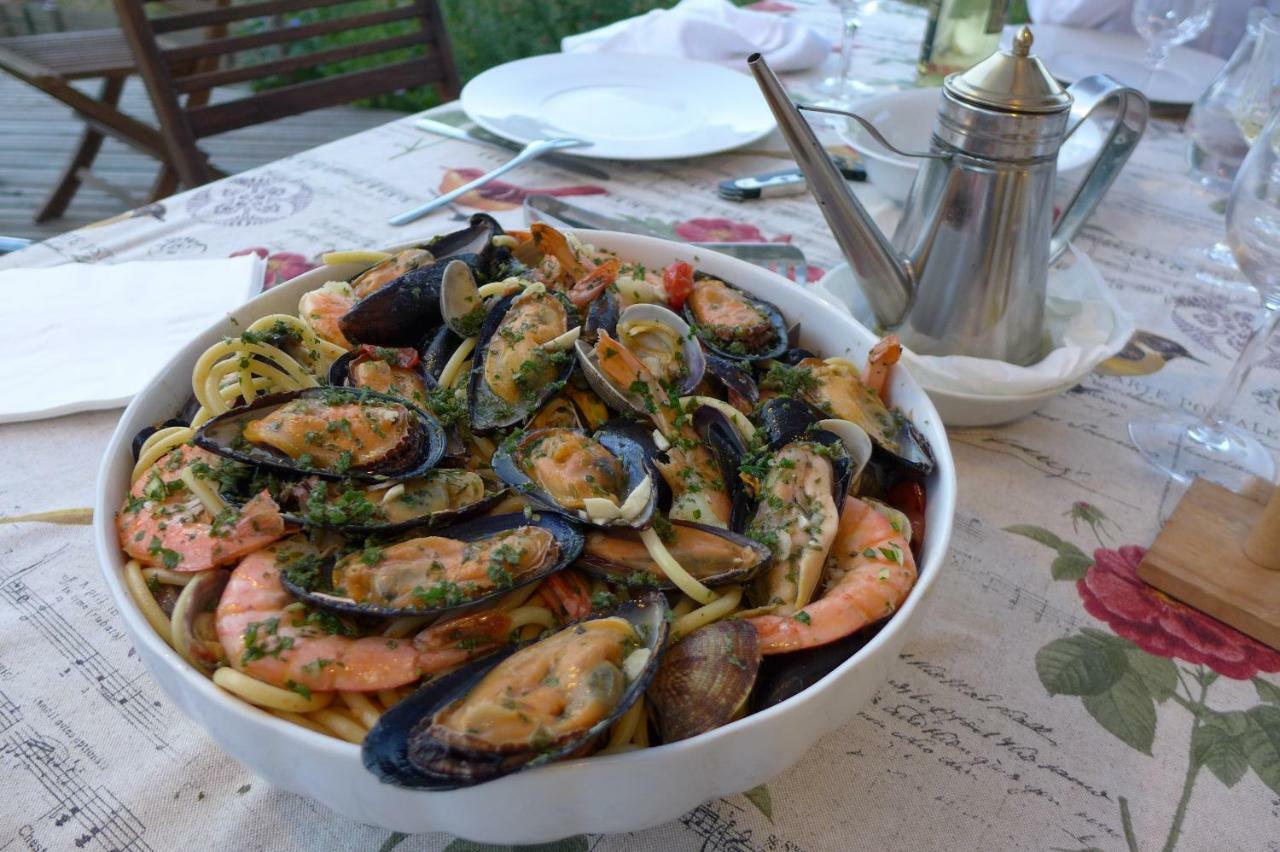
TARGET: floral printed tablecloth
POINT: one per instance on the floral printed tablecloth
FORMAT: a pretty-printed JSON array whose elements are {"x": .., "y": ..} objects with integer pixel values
[{"x": 1052, "y": 701}]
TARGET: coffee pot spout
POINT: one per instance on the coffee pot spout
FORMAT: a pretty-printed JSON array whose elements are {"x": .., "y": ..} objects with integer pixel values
[{"x": 884, "y": 275}]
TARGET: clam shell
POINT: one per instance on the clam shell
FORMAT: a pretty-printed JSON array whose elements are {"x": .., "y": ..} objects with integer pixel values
[
  {"x": 705, "y": 679},
  {"x": 199, "y": 595}
]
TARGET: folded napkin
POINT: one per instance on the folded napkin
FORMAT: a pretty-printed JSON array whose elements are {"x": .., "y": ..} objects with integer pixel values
[
  {"x": 90, "y": 336},
  {"x": 1084, "y": 326},
  {"x": 709, "y": 30}
]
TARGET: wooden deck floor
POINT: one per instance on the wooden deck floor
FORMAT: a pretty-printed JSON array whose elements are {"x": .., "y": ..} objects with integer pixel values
[{"x": 37, "y": 135}]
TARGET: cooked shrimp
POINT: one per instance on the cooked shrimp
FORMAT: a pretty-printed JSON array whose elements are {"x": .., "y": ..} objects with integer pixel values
[
  {"x": 882, "y": 356},
  {"x": 553, "y": 245},
  {"x": 269, "y": 637},
  {"x": 698, "y": 490},
  {"x": 586, "y": 289},
  {"x": 164, "y": 522},
  {"x": 568, "y": 595},
  {"x": 322, "y": 308},
  {"x": 869, "y": 573}
]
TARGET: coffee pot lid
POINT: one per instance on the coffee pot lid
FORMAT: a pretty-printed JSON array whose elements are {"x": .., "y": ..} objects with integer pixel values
[{"x": 1011, "y": 81}]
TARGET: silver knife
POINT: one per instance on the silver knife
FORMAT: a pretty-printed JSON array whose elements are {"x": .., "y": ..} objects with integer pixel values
[
  {"x": 482, "y": 137},
  {"x": 782, "y": 258}
]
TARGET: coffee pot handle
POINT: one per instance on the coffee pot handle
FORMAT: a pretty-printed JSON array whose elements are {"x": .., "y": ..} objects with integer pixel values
[{"x": 1132, "y": 112}]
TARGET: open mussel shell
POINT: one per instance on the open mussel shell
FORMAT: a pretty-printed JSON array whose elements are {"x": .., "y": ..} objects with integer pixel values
[
  {"x": 417, "y": 451},
  {"x": 406, "y": 382},
  {"x": 705, "y": 680},
  {"x": 408, "y": 748},
  {"x": 629, "y": 443},
  {"x": 443, "y": 495},
  {"x": 785, "y": 420},
  {"x": 739, "y": 385},
  {"x": 488, "y": 410},
  {"x": 192, "y": 620},
  {"x": 316, "y": 587},
  {"x": 712, "y": 556},
  {"x": 729, "y": 451},
  {"x": 402, "y": 312},
  {"x": 733, "y": 339}
]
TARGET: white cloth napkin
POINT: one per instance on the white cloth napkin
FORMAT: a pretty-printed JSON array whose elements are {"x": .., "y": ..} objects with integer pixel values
[
  {"x": 1084, "y": 323},
  {"x": 709, "y": 30},
  {"x": 84, "y": 337}
]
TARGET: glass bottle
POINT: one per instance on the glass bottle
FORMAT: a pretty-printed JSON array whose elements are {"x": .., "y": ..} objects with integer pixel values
[
  {"x": 959, "y": 34},
  {"x": 1215, "y": 145}
]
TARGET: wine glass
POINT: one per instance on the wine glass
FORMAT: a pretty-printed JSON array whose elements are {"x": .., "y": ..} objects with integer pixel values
[
  {"x": 1164, "y": 24},
  {"x": 843, "y": 90},
  {"x": 1185, "y": 445}
]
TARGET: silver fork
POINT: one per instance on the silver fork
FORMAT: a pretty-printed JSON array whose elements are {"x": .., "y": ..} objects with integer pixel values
[{"x": 781, "y": 258}]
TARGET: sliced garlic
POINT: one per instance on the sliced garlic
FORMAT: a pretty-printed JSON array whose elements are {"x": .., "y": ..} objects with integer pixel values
[{"x": 564, "y": 342}]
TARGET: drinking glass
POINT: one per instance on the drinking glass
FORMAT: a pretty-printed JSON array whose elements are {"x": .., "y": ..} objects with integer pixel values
[
  {"x": 843, "y": 90},
  {"x": 1164, "y": 24},
  {"x": 1185, "y": 445}
]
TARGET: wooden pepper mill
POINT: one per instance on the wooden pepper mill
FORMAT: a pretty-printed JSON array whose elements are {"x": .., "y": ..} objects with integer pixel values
[{"x": 1220, "y": 553}]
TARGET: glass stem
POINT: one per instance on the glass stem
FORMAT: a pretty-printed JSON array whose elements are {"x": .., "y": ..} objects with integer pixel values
[
  {"x": 851, "y": 24},
  {"x": 1254, "y": 348},
  {"x": 1157, "y": 53}
]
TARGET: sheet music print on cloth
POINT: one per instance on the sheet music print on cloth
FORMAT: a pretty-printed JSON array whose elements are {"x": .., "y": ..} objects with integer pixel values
[{"x": 964, "y": 747}]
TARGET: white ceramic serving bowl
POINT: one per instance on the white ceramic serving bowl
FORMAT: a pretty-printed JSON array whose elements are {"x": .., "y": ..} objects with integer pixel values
[
  {"x": 619, "y": 793},
  {"x": 905, "y": 118}
]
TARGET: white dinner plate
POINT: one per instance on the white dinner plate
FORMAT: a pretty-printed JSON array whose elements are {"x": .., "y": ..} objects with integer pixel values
[
  {"x": 1070, "y": 54},
  {"x": 629, "y": 107}
]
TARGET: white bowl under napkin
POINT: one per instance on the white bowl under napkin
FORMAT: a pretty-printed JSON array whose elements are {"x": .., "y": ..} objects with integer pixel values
[{"x": 1084, "y": 326}]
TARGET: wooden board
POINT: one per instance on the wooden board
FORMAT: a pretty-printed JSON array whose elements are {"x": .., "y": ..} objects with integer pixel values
[{"x": 1198, "y": 558}]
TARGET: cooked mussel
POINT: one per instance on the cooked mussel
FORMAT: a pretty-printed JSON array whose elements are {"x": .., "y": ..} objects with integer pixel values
[
  {"x": 458, "y": 566},
  {"x": 705, "y": 679},
  {"x": 521, "y": 357},
  {"x": 733, "y": 323},
  {"x": 332, "y": 433},
  {"x": 387, "y": 270},
  {"x": 730, "y": 451},
  {"x": 784, "y": 675},
  {"x": 712, "y": 556},
  {"x": 440, "y": 496},
  {"x": 146, "y": 432},
  {"x": 404, "y": 310},
  {"x": 396, "y": 371},
  {"x": 604, "y": 479},
  {"x": 739, "y": 386},
  {"x": 523, "y": 707},
  {"x": 461, "y": 307},
  {"x": 835, "y": 386}
]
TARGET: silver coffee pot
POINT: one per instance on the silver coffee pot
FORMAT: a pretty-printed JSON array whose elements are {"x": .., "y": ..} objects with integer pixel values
[{"x": 967, "y": 268}]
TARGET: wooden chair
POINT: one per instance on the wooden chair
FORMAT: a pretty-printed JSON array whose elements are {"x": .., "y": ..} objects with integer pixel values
[
  {"x": 51, "y": 62},
  {"x": 239, "y": 58}
]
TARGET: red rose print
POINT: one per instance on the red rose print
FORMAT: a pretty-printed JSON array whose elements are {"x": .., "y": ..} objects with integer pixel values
[
  {"x": 718, "y": 231},
  {"x": 281, "y": 266},
  {"x": 499, "y": 195},
  {"x": 1112, "y": 592}
]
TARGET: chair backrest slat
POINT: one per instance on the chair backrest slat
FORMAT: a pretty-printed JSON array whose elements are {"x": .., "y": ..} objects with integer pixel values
[
  {"x": 226, "y": 14},
  {"x": 301, "y": 97},
  {"x": 200, "y": 81},
  {"x": 191, "y": 70},
  {"x": 235, "y": 44}
]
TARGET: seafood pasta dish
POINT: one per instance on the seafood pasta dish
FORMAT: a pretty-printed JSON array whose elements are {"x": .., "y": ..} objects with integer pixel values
[{"x": 503, "y": 499}]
